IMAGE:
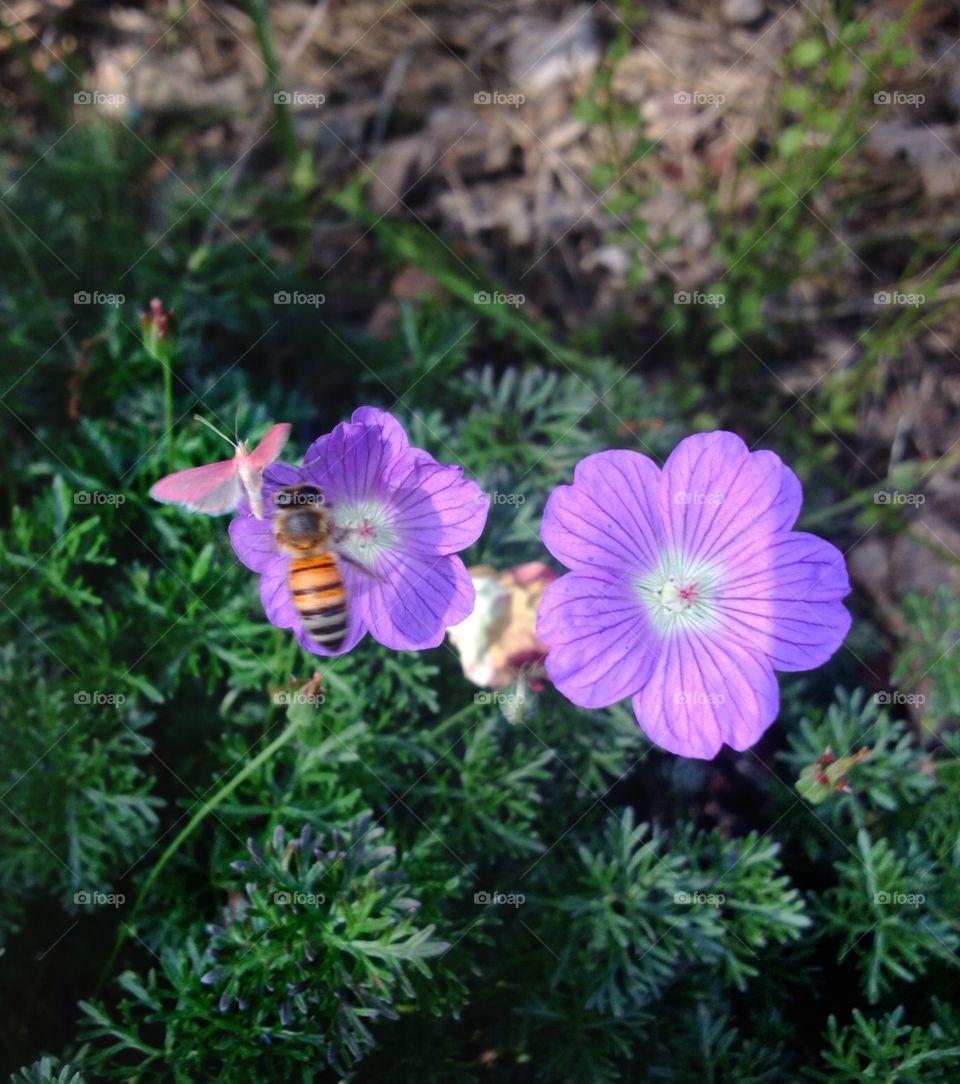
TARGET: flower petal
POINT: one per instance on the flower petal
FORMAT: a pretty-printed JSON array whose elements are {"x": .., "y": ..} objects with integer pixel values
[
  {"x": 278, "y": 475},
  {"x": 714, "y": 491},
  {"x": 275, "y": 593},
  {"x": 602, "y": 647},
  {"x": 785, "y": 600},
  {"x": 349, "y": 463},
  {"x": 253, "y": 541},
  {"x": 433, "y": 508},
  {"x": 704, "y": 694},
  {"x": 391, "y": 431},
  {"x": 416, "y": 599},
  {"x": 608, "y": 518}
]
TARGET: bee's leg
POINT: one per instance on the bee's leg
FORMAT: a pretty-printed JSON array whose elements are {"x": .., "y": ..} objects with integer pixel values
[{"x": 358, "y": 565}]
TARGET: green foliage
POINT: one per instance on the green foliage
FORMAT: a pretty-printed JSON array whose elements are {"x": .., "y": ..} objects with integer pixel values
[
  {"x": 819, "y": 120},
  {"x": 48, "y": 1070},
  {"x": 928, "y": 658},
  {"x": 886, "y": 906},
  {"x": 602, "y": 958},
  {"x": 888, "y": 1050},
  {"x": 887, "y": 825},
  {"x": 708, "y": 1037},
  {"x": 323, "y": 942},
  {"x": 684, "y": 900},
  {"x": 886, "y": 767}
]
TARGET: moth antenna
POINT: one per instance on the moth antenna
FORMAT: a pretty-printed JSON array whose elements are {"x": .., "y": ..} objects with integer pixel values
[
  {"x": 210, "y": 425},
  {"x": 236, "y": 425}
]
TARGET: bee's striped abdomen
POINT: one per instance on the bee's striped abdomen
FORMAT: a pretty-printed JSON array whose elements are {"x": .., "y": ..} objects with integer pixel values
[{"x": 320, "y": 598}]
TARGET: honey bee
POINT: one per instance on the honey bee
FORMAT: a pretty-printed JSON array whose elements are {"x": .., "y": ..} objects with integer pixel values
[{"x": 305, "y": 533}]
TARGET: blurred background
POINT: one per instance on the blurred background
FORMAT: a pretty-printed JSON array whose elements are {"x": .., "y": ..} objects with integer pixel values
[{"x": 531, "y": 230}]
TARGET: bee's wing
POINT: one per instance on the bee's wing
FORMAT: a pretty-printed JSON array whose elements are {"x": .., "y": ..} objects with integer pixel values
[
  {"x": 212, "y": 489},
  {"x": 270, "y": 447}
]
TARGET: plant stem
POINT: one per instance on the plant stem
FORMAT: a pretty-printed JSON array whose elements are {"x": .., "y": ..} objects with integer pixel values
[{"x": 166, "y": 362}]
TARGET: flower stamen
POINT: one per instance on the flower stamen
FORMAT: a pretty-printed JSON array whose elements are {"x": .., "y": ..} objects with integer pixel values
[{"x": 679, "y": 594}]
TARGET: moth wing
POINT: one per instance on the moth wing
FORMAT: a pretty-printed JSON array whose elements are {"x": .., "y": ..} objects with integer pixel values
[
  {"x": 212, "y": 489},
  {"x": 270, "y": 447}
]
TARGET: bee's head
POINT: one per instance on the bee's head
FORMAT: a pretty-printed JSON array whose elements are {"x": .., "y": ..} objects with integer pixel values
[{"x": 303, "y": 515}]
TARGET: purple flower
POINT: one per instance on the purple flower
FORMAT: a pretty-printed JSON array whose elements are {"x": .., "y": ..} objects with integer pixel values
[
  {"x": 399, "y": 518},
  {"x": 688, "y": 590}
]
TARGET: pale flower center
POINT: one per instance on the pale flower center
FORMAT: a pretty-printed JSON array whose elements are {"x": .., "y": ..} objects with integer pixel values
[
  {"x": 364, "y": 531},
  {"x": 680, "y": 593}
]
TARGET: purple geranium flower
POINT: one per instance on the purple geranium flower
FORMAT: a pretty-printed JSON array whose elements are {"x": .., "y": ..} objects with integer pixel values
[
  {"x": 688, "y": 590},
  {"x": 400, "y": 516}
]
